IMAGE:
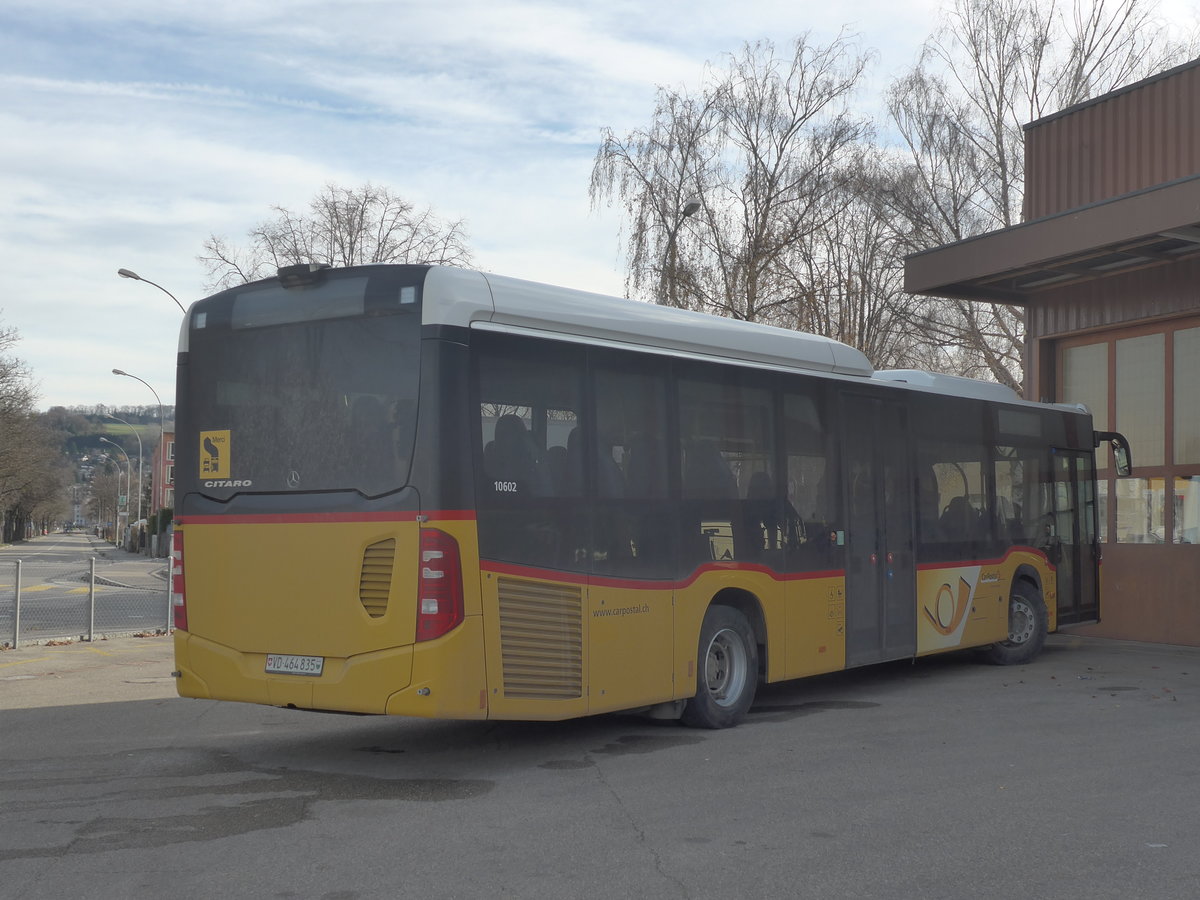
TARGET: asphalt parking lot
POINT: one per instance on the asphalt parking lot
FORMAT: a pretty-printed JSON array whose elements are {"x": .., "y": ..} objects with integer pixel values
[{"x": 1074, "y": 776}]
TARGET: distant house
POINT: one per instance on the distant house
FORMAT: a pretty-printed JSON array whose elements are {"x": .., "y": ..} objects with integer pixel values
[{"x": 163, "y": 484}]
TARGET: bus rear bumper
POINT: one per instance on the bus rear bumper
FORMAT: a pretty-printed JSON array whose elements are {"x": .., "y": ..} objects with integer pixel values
[
  {"x": 360, "y": 684},
  {"x": 444, "y": 678}
]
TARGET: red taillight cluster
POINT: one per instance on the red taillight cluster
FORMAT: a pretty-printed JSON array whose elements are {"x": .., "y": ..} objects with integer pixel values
[
  {"x": 440, "y": 587},
  {"x": 178, "y": 598}
]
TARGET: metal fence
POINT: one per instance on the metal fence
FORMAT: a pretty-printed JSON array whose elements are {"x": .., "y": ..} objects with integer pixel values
[{"x": 46, "y": 601}]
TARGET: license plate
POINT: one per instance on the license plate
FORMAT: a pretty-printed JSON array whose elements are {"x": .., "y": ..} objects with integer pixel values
[{"x": 287, "y": 664}]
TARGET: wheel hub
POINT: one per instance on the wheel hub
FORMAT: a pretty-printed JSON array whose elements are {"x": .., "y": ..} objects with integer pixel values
[
  {"x": 725, "y": 667},
  {"x": 1020, "y": 622}
]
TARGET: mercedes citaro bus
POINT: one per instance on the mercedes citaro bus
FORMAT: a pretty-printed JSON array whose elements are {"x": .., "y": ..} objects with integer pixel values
[{"x": 426, "y": 491}]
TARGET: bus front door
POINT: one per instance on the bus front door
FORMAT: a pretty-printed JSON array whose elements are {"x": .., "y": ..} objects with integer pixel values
[
  {"x": 880, "y": 571},
  {"x": 1074, "y": 550}
]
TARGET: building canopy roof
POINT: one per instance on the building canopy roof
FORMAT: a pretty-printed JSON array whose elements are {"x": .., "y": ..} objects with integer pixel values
[{"x": 1149, "y": 227}]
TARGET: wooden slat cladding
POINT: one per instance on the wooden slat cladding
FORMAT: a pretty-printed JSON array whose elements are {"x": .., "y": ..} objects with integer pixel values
[{"x": 1131, "y": 139}]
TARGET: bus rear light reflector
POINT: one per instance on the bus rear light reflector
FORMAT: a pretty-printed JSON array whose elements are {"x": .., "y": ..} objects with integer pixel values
[
  {"x": 178, "y": 588},
  {"x": 440, "y": 591}
]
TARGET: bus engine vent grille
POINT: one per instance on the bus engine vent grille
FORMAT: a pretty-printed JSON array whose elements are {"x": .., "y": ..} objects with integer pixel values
[
  {"x": 541, "y": 639},
  {"x": 375, "y": 582}
]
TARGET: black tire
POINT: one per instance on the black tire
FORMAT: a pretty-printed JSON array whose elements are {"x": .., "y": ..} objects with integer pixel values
[
  {"x": 1027, "y": 627},
  {"x": 726, "y": 671}
]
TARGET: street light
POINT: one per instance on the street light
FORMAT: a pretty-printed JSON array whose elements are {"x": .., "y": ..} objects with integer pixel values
[
  {"x": 139, "y": 440},
  {"x": 162, "y": 447},
  {"x": 670, "y": 272},
  {"x": 128, "y": 273},
  {"x": 117, "y": 536}
]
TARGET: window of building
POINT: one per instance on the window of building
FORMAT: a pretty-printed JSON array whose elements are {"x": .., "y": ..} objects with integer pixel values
[
  {"x": 1186, "y": 406},
  {"x": 1141, "y": 393},
  {"x": 1186, "y": 494},
  {"x": 1142, "y": 381},
  {"x": 1085, "y": 380}
]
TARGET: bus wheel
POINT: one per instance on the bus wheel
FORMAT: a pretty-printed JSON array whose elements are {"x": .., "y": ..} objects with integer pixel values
[
  {"x": 1027, "y": 627},
  {"x": 727, "y": 670}
]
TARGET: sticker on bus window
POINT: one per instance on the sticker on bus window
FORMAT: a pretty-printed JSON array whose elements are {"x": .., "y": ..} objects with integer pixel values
[{"x": 214, "y": 454}]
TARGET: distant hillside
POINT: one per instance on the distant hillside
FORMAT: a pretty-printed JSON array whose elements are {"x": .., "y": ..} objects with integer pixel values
[{"x": 81, "y": 427}]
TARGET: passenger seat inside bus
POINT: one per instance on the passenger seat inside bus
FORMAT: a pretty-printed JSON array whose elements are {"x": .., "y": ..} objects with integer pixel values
[
  {"x": 706, "y": 475},
  {"x": 610, "y": 480},
  {"x": 514, "y": 457},
  {"x": 762, "y": 534},
  {"x": 960, "y": 520}
]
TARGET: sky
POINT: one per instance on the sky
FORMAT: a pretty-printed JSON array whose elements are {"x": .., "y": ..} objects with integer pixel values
[{"x": 131, "y": 131}]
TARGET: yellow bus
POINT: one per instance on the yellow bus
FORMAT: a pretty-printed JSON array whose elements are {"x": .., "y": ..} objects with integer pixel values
[{"x": 426, "y": 491}]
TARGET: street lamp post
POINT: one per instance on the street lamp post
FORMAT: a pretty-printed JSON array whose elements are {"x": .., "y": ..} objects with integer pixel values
[
  {"x": 139, "y": 440},
  {"x": 128, "y": 479},
  {"x": 128, "y": 273},
  {"x": 671, "y": 274},
  {"x": 157, "y": 477}
]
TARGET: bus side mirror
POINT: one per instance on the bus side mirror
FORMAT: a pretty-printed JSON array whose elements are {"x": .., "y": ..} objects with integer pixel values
[{"x": 1120, "y": 448}]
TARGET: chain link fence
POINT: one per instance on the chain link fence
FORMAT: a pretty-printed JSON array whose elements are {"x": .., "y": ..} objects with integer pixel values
[{"x": 86, "y": 599}]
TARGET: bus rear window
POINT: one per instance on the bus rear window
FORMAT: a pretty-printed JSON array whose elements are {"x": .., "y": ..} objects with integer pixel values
[{"x": 316, "y": 404}]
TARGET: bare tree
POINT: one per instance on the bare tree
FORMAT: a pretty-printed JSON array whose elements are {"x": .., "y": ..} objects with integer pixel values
[
  {"x": 849, "y": 284},
  {"x": 17, "y": 394},
  {"x": 991, "y": 67},
  {"x": 343, "y": 227},
  {"x": 102, "y": 506},
  {"x": 760, "y": 148},
  {"x": 30, "y": 475}
]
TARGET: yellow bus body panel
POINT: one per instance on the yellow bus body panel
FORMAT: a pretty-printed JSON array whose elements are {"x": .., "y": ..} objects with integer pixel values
[
  {"x": 294, "y": 588},
  {"x": 960, "y": 606},
  {"x": 534, "y": 645},
  {"x": 816, "y": 626},
  {"x": 631, "y": 637}
]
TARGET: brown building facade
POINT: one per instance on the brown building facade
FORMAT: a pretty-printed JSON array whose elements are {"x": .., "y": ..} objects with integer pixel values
[{"x": 1107, "y": 268}]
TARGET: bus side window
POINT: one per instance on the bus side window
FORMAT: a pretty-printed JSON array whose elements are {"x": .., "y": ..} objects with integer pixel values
[
  {"x": 514, "y": 458},
  {"x": 529, "y": 401},
  {"x": 1018, "y": 505},
  {"x": 706, "y": 473},
  {"x": 929, "y": 512},
  {"x": 726, "y": 442},
  {"x": 632, "y": 532},
  {"x": 646, "y": 466},
  {"x": 810, "y": 514},
  {"x": 960, "y": 518},
  {"x": 562, "y": 470},
  {"x": 953, "y": 487},
  {"x": 610, "y": 480}
]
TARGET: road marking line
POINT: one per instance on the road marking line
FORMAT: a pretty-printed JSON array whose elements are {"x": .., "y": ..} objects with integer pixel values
[{"x": 21, "y": 662}]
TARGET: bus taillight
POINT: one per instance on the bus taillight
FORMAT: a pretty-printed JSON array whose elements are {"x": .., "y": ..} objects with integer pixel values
[
  {"x": 178, "y": 600},
  {"x": 440, "y": 588}
]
